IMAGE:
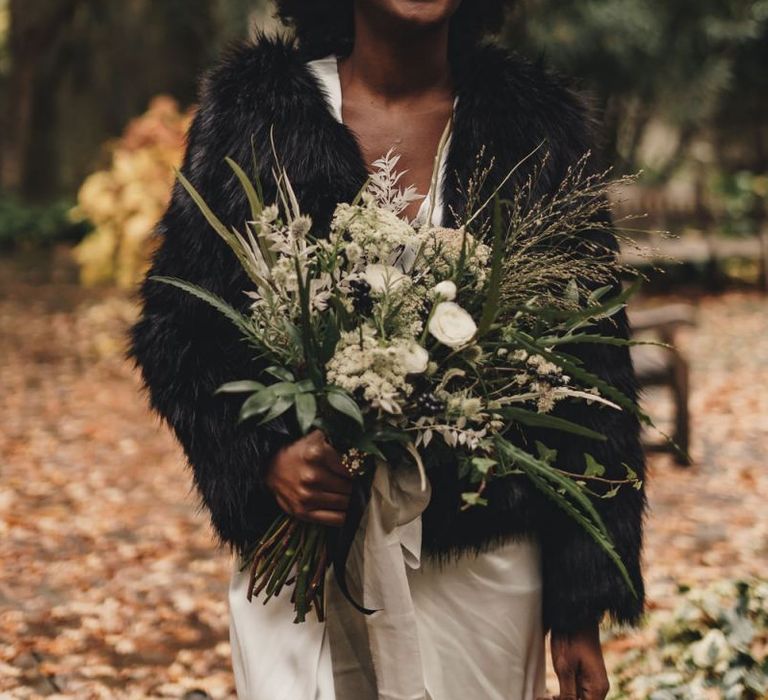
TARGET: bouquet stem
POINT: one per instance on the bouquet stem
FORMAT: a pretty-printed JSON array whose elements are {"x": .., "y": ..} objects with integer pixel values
[{"x": 291, "y": 553}]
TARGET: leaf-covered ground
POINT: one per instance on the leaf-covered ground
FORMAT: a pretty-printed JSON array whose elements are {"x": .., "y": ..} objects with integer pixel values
[{"x": 110, "y": 586}]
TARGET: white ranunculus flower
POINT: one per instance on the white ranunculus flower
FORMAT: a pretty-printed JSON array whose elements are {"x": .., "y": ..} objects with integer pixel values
[
  {"x": 384, "y": 278},
  {"x": 415, "y": 359},
  {"x": 445, "y": 290},
  {"x": 451, "y": 325}
]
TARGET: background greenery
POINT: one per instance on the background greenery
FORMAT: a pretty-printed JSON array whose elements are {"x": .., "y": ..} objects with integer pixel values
[
  {"x": 74, "y": 72},
  {"x": 681, "y": 88}
]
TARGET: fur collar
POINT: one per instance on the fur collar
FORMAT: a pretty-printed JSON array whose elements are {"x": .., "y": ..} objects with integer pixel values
[{"x": 506, "y": 108}]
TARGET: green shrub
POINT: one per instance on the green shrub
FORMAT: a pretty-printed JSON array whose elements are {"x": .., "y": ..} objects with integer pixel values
[
  {"x": 714, "y": 645},
  {"x": 36, "y": 225}
]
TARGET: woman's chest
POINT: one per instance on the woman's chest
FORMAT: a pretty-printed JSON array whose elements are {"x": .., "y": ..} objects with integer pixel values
[{"x": 414, "y": 136}]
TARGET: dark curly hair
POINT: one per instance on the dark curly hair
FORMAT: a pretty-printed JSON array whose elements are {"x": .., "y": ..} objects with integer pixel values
[{"x": 326, "y": 26}]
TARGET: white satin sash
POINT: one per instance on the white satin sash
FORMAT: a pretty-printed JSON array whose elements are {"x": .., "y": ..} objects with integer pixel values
[{"x": 378, "y": 656}]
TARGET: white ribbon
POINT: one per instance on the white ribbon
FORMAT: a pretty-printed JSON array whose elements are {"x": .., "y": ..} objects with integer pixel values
[{"x": 377, "y": 657}]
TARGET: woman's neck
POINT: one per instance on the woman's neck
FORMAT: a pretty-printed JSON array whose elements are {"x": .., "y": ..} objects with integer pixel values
[{"x": 395, "y": 64}]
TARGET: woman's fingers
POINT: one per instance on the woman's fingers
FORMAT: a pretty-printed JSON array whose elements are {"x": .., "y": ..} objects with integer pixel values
[
  {"x": 332, "y": 518},
  {"x": 565, "y": 670},
  {"x": 593, "y": 680},
  {"x": 319, "y": 451},
  {"x": 324, "y": 500},
  {"x": 321, "y": 479}
]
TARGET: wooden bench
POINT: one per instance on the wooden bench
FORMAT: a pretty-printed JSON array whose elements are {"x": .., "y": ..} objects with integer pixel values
[{"x": 668, "y": 367}]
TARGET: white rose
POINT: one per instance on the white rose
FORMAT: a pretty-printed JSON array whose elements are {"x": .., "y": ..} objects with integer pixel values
[
  {"x": 384, "y": 278},
  {"x": 415, "y": 359},
  {"x": 451, "y": 325},
  {"x": 445, "y": 290}
]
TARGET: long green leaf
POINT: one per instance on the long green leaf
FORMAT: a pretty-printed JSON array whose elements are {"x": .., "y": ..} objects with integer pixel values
[
  {"x": 242, "y": 387},
  {"x": 605, "y": 309},
  {"x": 256, "y": 208},
  {"x": 600, "y": 340},
  {"x": 307, "y": 337},
  {"x": 608, "y": 390},
  {"x": 250, "y": 191},
  {"x": 241, "y": 321},
  {"x": 491, "y": 306},
  {"x": 545, "y": 420},
  {"x": 602, "y": 540},
  {"x": 212, "y": 219},
  {"x": 531, "y": 464}
]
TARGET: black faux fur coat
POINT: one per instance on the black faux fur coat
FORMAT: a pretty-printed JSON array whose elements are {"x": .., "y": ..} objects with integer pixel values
[{"x": 185, "y": 351}]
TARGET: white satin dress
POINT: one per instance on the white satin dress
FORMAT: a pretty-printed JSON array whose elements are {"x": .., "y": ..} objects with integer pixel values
[{"x": 478, "y": 618}]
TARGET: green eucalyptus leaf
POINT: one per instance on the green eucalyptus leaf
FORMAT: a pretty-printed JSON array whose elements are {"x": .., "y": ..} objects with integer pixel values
[
  {"x": 242, "y": 387},
  {"x": 344, "y": 404},
  {"x": 280, "y": 373},
  {"x": 306, "y": 411},
  {"x": 280, "y": 406},
  {"x": 288, "y": 388},
  {"x": 257, "y": 404}
]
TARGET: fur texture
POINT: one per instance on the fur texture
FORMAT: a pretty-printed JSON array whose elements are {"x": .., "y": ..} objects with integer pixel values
[{"x": 506, "y": 107}]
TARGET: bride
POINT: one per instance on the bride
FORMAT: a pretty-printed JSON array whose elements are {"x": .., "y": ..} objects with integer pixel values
[{"x": 355, "y": 79}]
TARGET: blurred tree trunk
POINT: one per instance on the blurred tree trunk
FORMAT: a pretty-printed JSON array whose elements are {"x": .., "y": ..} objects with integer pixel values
[
  {"x": 81, "y": 69},
  {"x": 36, "y": 27}
]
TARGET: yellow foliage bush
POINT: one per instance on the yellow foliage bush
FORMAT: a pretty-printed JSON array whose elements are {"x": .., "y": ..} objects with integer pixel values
[{"x": 126, "y": 201}]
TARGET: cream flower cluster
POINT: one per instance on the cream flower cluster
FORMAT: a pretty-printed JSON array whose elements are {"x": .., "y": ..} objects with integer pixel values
[{"x": 376, "y": 371}]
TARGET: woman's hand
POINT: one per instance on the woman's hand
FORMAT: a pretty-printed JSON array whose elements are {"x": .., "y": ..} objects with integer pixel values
[
  {"x": 309, "y": 481},
  {"x": 578, "y": 662}
]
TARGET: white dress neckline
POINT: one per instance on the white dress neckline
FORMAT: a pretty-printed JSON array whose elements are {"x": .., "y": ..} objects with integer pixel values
[{"x": 326, "y": 70}]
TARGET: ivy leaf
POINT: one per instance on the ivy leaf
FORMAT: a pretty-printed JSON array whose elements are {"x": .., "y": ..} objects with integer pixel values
[
  {"x": 472, "y": 498},
  {"x": 483, "y": 464},
  {"x": 594, "y": 468},
  {"x": 546, "y": 454}
]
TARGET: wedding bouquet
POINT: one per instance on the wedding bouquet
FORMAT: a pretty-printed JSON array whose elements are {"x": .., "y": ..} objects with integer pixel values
[{"x": 390, "y": 337}]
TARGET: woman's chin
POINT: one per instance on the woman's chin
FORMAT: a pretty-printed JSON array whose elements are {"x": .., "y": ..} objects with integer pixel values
[{"x": 417, "y": 13}]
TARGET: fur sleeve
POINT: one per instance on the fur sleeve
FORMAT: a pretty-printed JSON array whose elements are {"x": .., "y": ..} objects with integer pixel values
[
  {"x": 581, "y": 583},
  {"x": 185, "y": 349}
]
